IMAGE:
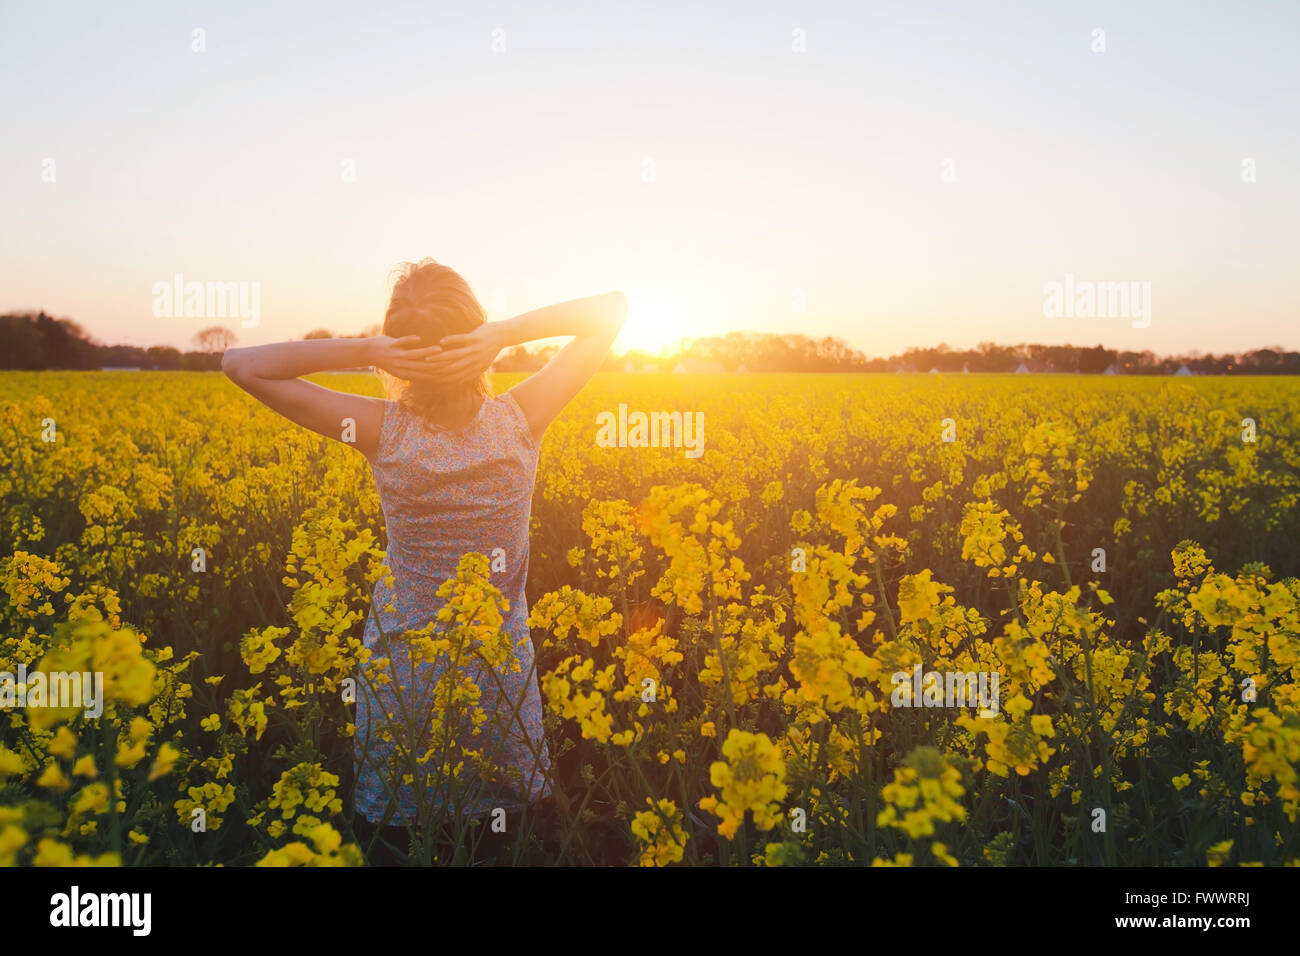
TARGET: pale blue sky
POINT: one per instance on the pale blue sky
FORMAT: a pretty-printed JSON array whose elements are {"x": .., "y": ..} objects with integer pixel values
[{"x": 774, "y": 171}]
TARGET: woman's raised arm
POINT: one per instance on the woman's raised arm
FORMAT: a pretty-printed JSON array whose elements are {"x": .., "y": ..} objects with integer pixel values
[
  {"x": 594, "y": 322},
  {"x": 271, "y": 374}
]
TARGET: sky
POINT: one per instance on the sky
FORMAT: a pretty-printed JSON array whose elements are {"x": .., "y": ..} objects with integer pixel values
[{"x": 890, "y": 173}]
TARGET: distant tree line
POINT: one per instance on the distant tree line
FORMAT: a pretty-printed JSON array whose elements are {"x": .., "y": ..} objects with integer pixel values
[
  {"x": 764, "y": 352},
  {"x": 760, "y": 352},
  {"x": 989, "y": 357},
  {"x": 39, "y": 341}
]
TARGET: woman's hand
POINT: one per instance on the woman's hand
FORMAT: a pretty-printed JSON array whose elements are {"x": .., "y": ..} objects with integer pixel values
[
  {"x": 466, "y": 355},
  {"x": 403, "y": 358}
]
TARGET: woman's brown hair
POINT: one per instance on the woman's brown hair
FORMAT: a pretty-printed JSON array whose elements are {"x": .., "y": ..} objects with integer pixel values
[{"x": 432, "y": 300}]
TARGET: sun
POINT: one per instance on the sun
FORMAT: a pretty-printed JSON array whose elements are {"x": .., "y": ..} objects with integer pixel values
[{"x": 655, "y": 327}]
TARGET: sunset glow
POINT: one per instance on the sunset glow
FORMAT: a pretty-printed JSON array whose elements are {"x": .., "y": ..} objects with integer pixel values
[{"x": 656, "y": 327}]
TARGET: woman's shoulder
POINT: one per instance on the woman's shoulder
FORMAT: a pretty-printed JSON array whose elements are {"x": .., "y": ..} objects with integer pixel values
[
  {"x": 510, "y": 409},
  {"x": 498, "y": 414}
]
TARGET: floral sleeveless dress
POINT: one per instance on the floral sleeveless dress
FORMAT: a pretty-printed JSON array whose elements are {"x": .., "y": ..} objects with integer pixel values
[{"x": 444, "y": 494}]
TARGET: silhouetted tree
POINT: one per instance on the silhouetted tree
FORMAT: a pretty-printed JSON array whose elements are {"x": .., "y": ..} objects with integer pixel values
[{"x": 215, "y": 338}]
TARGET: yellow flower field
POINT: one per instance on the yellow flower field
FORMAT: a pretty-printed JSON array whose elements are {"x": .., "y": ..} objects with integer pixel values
[{"x": 734, "y": 649}]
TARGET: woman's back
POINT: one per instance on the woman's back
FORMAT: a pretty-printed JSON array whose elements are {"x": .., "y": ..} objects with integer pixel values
[{"x": 446, "y": 493}]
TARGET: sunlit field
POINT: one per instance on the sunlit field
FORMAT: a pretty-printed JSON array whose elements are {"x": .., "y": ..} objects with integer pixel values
[{"x": 733, "y": 646}]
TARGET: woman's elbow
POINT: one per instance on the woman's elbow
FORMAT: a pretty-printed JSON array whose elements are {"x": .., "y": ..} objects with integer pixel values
[
  {"x": 618, "y": 309},
  {"x": 233, "y": 364}
]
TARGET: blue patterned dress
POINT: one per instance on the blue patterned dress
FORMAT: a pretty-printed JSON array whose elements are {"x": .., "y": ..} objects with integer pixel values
[{"x": 444, "y": 494}]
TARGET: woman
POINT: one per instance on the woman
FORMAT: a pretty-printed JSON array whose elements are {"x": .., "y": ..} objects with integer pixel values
[{"x": 454, "y": 467}]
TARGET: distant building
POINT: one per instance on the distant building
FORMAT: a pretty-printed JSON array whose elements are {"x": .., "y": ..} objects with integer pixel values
[
  {"x": 1022, "y": 369},
  {"x": 1113, "y": 369},
  {"x": 1184, "y": 370},
  {"x": 934, "y": 371},
  {"x": 119, "y": 368}
]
